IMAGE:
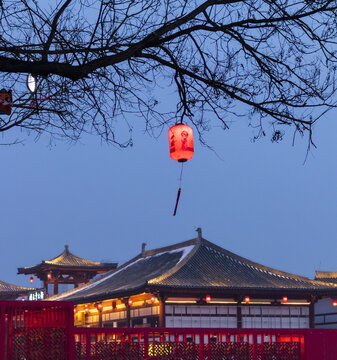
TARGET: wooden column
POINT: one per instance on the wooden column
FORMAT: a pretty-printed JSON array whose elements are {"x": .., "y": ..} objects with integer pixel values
[
  {"x": 313, "y": 299},
  {"x": 56, "y": 287},
  {"x": 45, "y": 286},
  {"x": 162, "y": 322},
  {"x": 100, "y": 319},
  {"x": 128, "y": 316},
  {"x": 238, "y": 315}
]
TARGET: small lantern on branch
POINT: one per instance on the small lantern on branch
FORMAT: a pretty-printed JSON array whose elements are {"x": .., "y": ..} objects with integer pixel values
[{"x": 5, "y": 102}]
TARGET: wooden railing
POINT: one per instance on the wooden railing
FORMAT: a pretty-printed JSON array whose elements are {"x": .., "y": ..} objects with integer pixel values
[
  {"x": 189, "y": 344},
  {"x": 44, "y": 330}
]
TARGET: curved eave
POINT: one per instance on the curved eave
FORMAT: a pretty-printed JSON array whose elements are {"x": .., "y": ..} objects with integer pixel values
[
  {"x": 231, "y": 290},
  {"x": 45, "y": 266},
  {"x": 106, "y": 296}
]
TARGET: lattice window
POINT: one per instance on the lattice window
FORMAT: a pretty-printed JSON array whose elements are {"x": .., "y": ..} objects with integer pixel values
[
  {"x": 229, "y": 350},
  {"x": 38, "y": 344},
  {"x": 279, "y": 351},
  {"x": 111, "y": 351},
  {"x": 173, "y": 351}
]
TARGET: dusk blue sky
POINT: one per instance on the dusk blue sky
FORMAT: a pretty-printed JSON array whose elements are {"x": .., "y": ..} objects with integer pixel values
[{"x": 256, "y": 199}]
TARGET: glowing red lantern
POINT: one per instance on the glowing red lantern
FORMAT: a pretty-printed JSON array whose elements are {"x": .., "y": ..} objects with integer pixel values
[
  {"x": 75, "y": 310},
  {"x": 5, "y": 102},
  {"x": 153, "y": 299},
  {"x": 208, "y": 298},
  {"x": 31, "y": 279},
  {"x": 86, "y": 308},
  {"x": 247, "y": 299},
  {"x": 49, "y": 276},
  {"x": 334, "y": 302},
  {"x": 284, "y": 299},
  {"x": 130, "y": 302},
  {"x": 181, "y": 142},
  {"x": 99, "y": 307}
]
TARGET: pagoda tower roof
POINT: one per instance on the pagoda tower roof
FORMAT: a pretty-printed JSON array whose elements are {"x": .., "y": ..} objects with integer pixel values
[
  {"x": 192, "y": 267},
  {"x": 67, "y": 260},
  {"x": 11, "y": 292}
]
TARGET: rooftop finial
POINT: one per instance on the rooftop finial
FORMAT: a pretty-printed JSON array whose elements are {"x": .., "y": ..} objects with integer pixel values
[
  {"x": 199, "y": 233},
  {"x": 66, "y": 247},
  {"x": 143, "y": 248}
]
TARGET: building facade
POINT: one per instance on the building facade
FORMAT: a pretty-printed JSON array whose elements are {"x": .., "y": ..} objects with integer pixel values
[{"x": 197, "y": 284}]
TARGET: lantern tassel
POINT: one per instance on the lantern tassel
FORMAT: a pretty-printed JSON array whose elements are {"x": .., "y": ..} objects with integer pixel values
[
  {"x": 179, "y": 190},
  {"x": 178, "y": 197}
]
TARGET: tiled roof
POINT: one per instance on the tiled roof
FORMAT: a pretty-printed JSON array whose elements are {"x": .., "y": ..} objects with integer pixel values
[
  {"x": 212, "y": 266},
  {"x": 326, "y": 276},
  {"x": 67, "y": 259},
  {"x": 133, "y": 275},
  {"x": 196, "y": 264},
  {"x": 12, "y": 291}
]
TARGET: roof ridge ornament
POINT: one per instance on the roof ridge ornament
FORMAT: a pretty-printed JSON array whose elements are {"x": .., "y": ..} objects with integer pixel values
[
  {"x": 66, "y": 248},
  {"x": 199, "y": 231},
  {"x": 143, "y": 248}
]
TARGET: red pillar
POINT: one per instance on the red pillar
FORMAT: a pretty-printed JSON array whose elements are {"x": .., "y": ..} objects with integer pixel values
[
  {"x": 146, "y": 345},
  {"x": 255, "y": 347},
  {"x": 88, "y": 346},
  {"x": 2, "y": 331},
  {"x": 202, "y": 347}
]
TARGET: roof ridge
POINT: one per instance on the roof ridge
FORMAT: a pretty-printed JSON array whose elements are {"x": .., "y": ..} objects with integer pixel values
[
  {"x": 66, "y": 253},
  {"x": 266, "y": 268},
  {"x": 136, "y": 258},
  {"x": 168, "y": 248},
  {"x": 197, "y": 242}
]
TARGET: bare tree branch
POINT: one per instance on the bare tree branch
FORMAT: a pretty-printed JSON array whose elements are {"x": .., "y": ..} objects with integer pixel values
[{"x": 101, "y": 63}]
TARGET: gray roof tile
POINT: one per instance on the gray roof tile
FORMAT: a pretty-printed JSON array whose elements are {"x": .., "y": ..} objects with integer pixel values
[{"x": 195, "y": 264}]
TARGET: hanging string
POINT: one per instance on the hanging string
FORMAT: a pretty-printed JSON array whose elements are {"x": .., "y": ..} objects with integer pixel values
[{"x": 179, "y": 190}]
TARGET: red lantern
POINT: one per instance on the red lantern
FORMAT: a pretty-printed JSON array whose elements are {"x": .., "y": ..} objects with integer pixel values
[
  {"x": 86, "y": 308},
  {"x": 5, "y": 102},
  {"x": 284, "y": 299},
  {"x": 31, "y": 279},
  {"x": 49, "y": 276},
  {"x": 334, "y": 302},
  {"x": 208, "y": 298},
  {"x": 181, "y": 142},
  {"x": 75, "y": 310},
  {"x": 99, "y": 307},
  {"x": 247, "y": 299},
  {"x": 130, "y": 302},
  {"x": 153, "y": 299}
]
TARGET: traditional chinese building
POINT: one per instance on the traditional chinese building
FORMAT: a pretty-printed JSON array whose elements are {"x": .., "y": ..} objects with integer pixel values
[
  {"x": 197, "y": 284},
  {"x": 12, "y": 292},
  {"x": 66, "y": 268},
  {"x": 326, "y": 308}
]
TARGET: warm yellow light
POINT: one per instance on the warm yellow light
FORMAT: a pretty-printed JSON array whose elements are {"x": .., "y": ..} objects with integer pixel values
[
  {"x": 257, "y": 302},
  {"x": 223, "y": 302},
  {"x": 180, "y": 302}
]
